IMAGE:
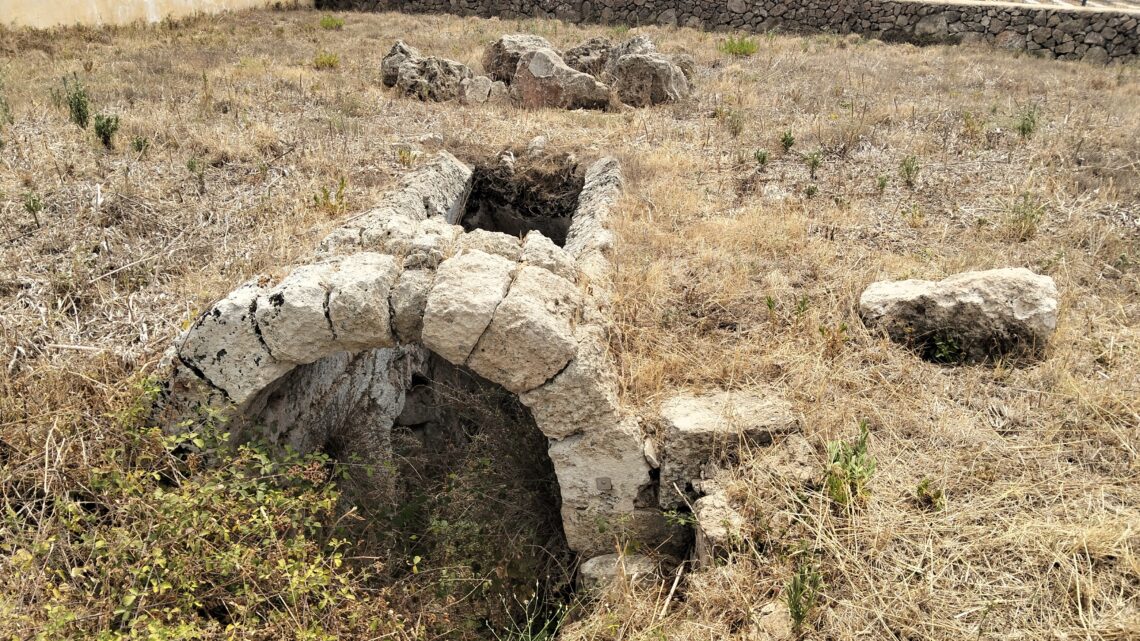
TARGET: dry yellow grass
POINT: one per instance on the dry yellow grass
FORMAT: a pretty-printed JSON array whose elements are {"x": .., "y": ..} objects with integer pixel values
[{"x": 729, "y": 275}]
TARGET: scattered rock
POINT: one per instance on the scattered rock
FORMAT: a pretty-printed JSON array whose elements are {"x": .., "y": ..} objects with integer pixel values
[
  {"x": 400, "y": 53},
  {"x": 792, "y": 461},
  {"x": 773, "y": 622},
  {"x": 637, "y": 45},
  {"x": 481, "y": 89},
  {"x": 967, "y": 317},
  {"x": 641, "y": 80},
  {"x": 601, "y": 571},
  {"x": 719, "y": 527},
  {"x": 687, "y": 64},
  {"x": 543, "y": 80},
  {"x": 590, "y": 56},
  {"x": 431, "y": 78},
  {"x": 501, "y": 57},
  {"x": 703, "y": 430}
]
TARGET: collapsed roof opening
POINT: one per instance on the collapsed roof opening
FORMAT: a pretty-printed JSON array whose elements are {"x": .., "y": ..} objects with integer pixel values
[{"x": 514, "y": 196}]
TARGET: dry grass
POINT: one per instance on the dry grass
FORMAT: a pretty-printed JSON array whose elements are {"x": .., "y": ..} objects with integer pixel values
[{"x": 728, "y": 276}]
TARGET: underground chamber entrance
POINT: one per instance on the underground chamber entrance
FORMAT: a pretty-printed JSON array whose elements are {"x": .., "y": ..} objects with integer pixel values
[
  {"x": 514, "y": 195},
  {"x": 465, "y": 504}
]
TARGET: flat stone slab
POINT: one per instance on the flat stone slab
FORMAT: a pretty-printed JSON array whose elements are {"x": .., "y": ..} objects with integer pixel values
[
  {"x": 970, "y": 316},
  {"x": 702, "y": 430},
  {"x": 600, "y": 572}
]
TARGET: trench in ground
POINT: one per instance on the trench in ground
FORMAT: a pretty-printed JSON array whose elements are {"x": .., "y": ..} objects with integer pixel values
[{"x": 515, "y": 196}]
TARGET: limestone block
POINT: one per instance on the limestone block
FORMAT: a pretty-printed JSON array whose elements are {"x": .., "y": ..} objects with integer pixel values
[
  {"x": 408, "y": 300},
  {"x": 969, "y": 316},
  {"x": 641, "y": 80},
  {"x": 530, "y": 338},
  {"x": 540, "y": 251},
  {"x": 600, "y": 572},
  {"x": 491, "y": 242},
  {"x": 467, "y": 289},
  {"x": 224, "y": 347},
  {"x": 600, "y": 475},
  {"x": 292, "y": 315},
  {"x": 719, "y": 528},
  {"x": 583, "y": 398},
  {"x": 501, "y": 58},
  {"x": 358, "y": 301},
  {"x": 700, "y": 430},
  {"x": 544, "y": 80}
]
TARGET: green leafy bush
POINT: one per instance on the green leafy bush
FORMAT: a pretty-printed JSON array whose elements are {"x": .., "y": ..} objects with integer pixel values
[
  {"x": 326, "y": 60},
  {"x": 849, "y": 469},
  {"x": 105, "y": 128},
  {"x": 78, "y": 104}
]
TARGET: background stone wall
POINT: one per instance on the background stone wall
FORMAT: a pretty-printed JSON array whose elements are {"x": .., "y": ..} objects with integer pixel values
[{"x": 1060, "y": 32}]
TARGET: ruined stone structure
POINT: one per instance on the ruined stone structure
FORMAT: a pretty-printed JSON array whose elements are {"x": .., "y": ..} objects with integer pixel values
[
  {"x": 333, "y": 350},
  {"x": 1069, "y": 33}
]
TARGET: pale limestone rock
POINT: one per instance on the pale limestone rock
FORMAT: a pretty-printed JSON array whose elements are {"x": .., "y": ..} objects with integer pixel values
[
  {"x": 224, "y": 347},
  {"x": 491, "y": 242},
  {"x": 700, "y": 430},
  {"x": 601, "y": 474},
  {"x": 719, "y": 528},
  {"x": 408, "y": 300},
  {"x": 467, "y": 289},
  {"x": 434, "y": 241},
  {"x": 792, "y": 461},
  {"x": 358, "y": 301},
  {"x": 292, "y": 316},
  {"x": 600, "y": 572},
  {"x": 544, "y": 80},
  {"x": 431, "y": 78},
  {"x": 641, "y": 80},
  {"x": 474, "y": 91},
  {"x": 636, "y": 45},
  {"x": 540, "y": 251},
  {"x": 590, "y": 56},
  {"x": 966, "y": 317},
  {"x": 501, "y": 58},
  {"x": 773, "y": 622},
  {"x": 437, "y": 189},
  {"x": 583, "y": 398},
  {"x": 530, "y": 338},
  {"x": 400, "y": 53}
]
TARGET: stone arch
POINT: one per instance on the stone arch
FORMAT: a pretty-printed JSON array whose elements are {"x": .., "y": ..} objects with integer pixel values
[{"x": 340, "y": 339}]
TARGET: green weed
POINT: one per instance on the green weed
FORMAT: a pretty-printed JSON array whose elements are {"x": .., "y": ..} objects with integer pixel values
[
  {"x": 787, "y": 140},
  {"x": 908, "y": 170},
  {"x": 849, "y": 469},
  {"x": 332, "y": 23},
  {"x": 801, "y": 593},
  {"x": 105, "y": 129},
  {"x": 326, "y": 60},
  {"x": 742, "y": 46}
]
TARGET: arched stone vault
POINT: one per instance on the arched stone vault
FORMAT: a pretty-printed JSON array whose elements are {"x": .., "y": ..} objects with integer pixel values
[{"x": 333, "y": 345}]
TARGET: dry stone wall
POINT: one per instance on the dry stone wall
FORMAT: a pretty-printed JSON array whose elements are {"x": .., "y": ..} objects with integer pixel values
[{"x": 1068, "y": 33}]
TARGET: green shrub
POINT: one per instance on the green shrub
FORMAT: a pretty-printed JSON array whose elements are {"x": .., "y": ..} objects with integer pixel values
[
  {"x": 811, "y": 191},
  {"x": 929, "y": 496},
  {"x": 849, "y": 469},
  {"x": 326, "y": 60},
  {"x": 742, "y": 46},
  {"x": 332, "y": 23},
  {"x": 1023, "y": 218},
  {"x": 813, "y": 160},
  {"x": 881, "y": 183},
  {"x": 761, "y": 156},
  {"x": 1027, "y": 121},
  {"x": 908, "y": 170},
  {"x": 75, "y": 97},
  {"x": 787, "y": 140},
  {"x": 140, "y": 144},
  {"x": 105, "y": 128}
]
